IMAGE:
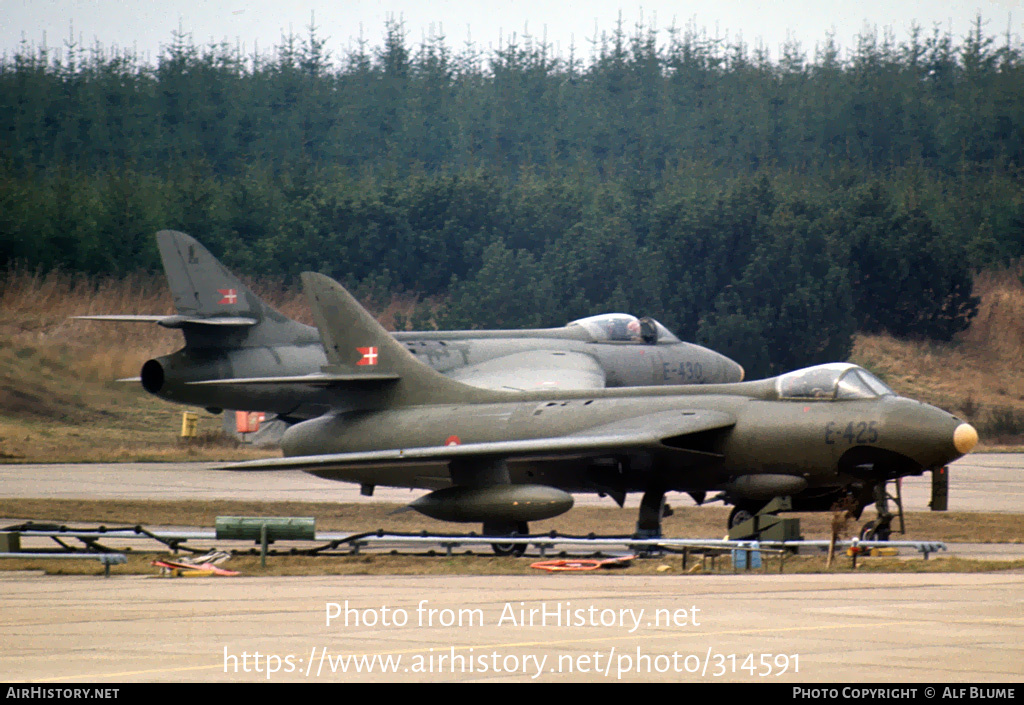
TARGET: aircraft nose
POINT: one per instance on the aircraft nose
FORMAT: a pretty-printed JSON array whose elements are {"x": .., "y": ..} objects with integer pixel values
[
  {"x": 930, "y": 436},
  {"x": 965, "y": 437},
  {"x": 740, "y": 372},
  {"x": 730, "y": 370}
]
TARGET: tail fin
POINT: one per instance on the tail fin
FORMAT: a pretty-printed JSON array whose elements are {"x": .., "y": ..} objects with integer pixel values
[
  {"x": 358, "y": 346},
  {"x": 201, "y": 286},
  {"x": 214, "y": 306}
]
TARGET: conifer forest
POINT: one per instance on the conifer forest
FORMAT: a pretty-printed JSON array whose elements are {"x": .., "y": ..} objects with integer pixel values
[{"x": 769, "y": 207}]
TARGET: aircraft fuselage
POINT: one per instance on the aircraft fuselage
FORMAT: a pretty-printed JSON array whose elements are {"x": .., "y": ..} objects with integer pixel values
[
  {"x": 797, "y": 447},
  {"x": 623, "y": 365}
]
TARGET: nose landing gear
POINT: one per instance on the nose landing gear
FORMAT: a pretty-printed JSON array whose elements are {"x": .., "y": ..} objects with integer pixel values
[{"x": 881, "y": 528}]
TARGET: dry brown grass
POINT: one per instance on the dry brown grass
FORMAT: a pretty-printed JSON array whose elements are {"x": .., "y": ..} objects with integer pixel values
[
  {"x": 370, "y": 515},
  {"x": 693, "y": 522},
  {"x": 979, "y": 375},
  {"x": 481, "y": 563},
  {"x": 56, "y": 374},
  {"x": 58, "y": 396},
  {"x": 689, "y": 521},
  {"x": 36, "y": 311}
]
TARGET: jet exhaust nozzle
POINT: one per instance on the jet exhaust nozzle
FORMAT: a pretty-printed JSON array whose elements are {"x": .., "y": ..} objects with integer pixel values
[
  {"x": 504, "y": 503},
  {"x": 153, "y": 376}
]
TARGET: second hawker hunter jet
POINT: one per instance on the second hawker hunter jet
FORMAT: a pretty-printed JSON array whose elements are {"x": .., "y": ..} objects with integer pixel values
[
  {"x": 504, "y": 458},
  {"x": 242, "y": 354}
]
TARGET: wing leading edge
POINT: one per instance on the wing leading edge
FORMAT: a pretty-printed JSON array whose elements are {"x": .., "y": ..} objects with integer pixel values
[
  {"x": 646, "y": 431},
  {"x": 524, "y": 371},
  {"x": 534, "y": 369}
]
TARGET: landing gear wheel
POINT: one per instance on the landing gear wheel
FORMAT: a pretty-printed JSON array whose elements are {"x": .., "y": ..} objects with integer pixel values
[
  {"x": 508, "y": 549},
  {"x": 739, "y": 514},
  {"x": 516, "y": 550},
  {"x": 875, "y": 532}
]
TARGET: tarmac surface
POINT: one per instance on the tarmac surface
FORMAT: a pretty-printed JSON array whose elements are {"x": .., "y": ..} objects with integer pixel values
[
  {"x": 991, "y": 482},
  {"x": 599, "y": 626},
  {"x": 858, "y": 629}
]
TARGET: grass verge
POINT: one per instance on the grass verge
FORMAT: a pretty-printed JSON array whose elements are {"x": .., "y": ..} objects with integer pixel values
[
  {"x": 691, "y": 521},
  {"x": 481, "y": 563},
  {"x": 695, "y": 522}
]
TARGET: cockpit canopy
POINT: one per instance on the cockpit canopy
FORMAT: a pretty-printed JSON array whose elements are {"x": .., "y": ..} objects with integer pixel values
[
  {"x": 837, "y": 380},
  {"x": 622, "y": 327}
]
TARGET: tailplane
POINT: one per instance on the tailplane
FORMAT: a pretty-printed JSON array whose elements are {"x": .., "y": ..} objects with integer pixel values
[
  {"x": 203, "y": 289},
  {"x": 214, "y": 307},
  {"x": 357, "y": 346}
]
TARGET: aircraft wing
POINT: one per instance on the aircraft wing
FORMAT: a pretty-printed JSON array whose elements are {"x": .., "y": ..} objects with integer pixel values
[
  {"x": 647, "y": 431},
  {"x": 524, "y": 371},
  {"x": 534, "y": 369}
]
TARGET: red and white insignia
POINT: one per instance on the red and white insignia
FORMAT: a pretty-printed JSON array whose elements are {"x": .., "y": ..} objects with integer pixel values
[
  {"x": 228, "y": 296},
  {"x": 369, "y": 356},
  {"x": 452, "y": 441}
]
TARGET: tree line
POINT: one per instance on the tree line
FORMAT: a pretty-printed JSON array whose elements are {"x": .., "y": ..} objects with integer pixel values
[
  {"x": 767, "y": 208},
  {"x": 636, "y": 107}
]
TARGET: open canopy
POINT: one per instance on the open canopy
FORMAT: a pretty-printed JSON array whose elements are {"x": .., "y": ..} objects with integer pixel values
[
  {"x": 836, "y": 380},
  {"x": 625, "y": 328}
]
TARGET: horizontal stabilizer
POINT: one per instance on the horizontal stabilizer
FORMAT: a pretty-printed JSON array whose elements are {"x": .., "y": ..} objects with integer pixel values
[
  {"x": 316, "y": 380},
  {"x": 213, "y": 308},
  {"x": 124, "y": 318},
  {"x": 180, "y": 321},
  {"x": 175, "y": 321}
]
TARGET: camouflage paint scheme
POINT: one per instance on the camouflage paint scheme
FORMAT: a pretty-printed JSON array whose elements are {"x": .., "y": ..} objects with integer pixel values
[
  {"x": 815, "y": 435},
  {"x": 242, "y": 354}
]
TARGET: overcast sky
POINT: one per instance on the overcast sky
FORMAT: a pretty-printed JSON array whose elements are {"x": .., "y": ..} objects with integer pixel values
[{"x": 146, "y": 25}]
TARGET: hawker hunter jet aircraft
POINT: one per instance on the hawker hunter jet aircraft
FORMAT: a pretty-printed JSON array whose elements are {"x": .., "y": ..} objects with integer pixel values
[
  {"x": 241, "y": 354},
  {"x": 507, "y": 457}
]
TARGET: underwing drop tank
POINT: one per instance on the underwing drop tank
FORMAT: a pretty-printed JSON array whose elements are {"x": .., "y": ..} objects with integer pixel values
[{"x": 494, "y": 503}]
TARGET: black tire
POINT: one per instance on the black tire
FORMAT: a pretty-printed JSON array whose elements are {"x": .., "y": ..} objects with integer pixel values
[
  {"x": 740, "y": 514},
  {"x": 873, "y": 532},
  {"x": 508, "y": 549},
  {"x": 516, "y": 550}
]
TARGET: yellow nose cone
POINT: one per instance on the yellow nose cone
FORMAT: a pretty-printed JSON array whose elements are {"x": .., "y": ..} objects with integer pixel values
[{"x": 965, "y": 438}]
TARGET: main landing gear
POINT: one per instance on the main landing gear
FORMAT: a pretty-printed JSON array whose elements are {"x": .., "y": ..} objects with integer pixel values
[
  {"x": 512, "y": 529},
  {"x": 652, "y": 510},
  {"x": 741, "y": 513}
]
